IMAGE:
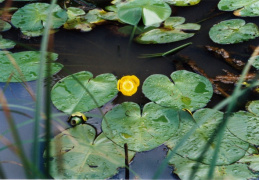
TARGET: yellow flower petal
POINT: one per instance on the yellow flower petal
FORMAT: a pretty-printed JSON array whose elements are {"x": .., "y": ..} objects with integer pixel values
[{"x": 128, "y": 85}]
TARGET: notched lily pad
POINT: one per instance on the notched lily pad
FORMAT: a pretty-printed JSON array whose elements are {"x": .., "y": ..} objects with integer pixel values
[
  {"x": 245, "y": 125},
  {"x": 151, "y": 11},
  {"x": 172, "y": 31},
  {"x": 240, "y": 7},
  {"x": 141, "y": 131},
  {"x": 77, "y": 153},
  {"x": 24, "y": 66},
  {"x": 231, "y": 149},
  {"x": 33, "y": 17},
  {"x": 184, "y": 167},
  {"x": 233, "y": 31},
  {"x": 69, "y": 96},
  {"x": 188, "y": 90},
  {"x": 6, "y": 43},
  {"x": 182, "y": 2},
  {"x": 4, "y": 26}
]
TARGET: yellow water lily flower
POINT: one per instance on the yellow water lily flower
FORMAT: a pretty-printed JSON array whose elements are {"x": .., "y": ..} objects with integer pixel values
[{"x": 128, "y": 85}]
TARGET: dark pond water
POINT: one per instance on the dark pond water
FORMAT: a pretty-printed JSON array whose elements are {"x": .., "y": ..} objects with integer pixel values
[{"x": 103, "y": 51}]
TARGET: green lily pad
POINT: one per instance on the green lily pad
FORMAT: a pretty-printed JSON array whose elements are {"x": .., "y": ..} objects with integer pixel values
[
  {"x": 77, "y": 153},
  {"x": 152, "y": 12},
  {"x": 141, "y": 131},
  {"x": 4, "y": 26},
  {"x": 73, "y": 12},
  {"x": 233, "y": 31},
  {"x": 183, "y": 2},
  {"x": 183, "y": 167},
  {"x": 95, "y": 16},
  {"x": 231, "y": 148},
  {"x": 33, "y": 17},
  {"x": 69, "y": 96},
  {"x": 255, "y": 62},
  {"x": 252, "y": 161},
  {"x": 240, "y": 7},
  {"x": 244, "y": 125},
  {"x": 253, "y": 107},
  {"x": 172, "y": 31},
  {"x": 24, "y": 66},
  {"x": 6, "y": 43},
  {"x": 188, "y": 90}
]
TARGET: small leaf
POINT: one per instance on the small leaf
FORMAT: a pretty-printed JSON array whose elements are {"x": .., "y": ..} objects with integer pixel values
[
  {"x": 253, "y": 107},
  {"x": 188, "y": 90},
  {"x": 4, "y": 26},
  {"x": 240, "y": 7},
  {"x": 77, "y": 153},
  {"x": 233, "y": 31},
  {"x": 183, "y": 2},
  {"x": 6, "y": 43},
  {"x": 141, "y": 131},
  {"x": 172, "y": 31},
  {"x": 69, "y": 96},
  {"x": 24, "y": 66}
]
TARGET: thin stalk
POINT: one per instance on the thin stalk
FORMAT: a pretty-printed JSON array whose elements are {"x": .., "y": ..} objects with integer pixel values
[
  {"x": 230, "y": 107},
  {"x": 39, "y": 103},
  {"x": 2, "y": 174},
  {"x": 126, "y": 161}
]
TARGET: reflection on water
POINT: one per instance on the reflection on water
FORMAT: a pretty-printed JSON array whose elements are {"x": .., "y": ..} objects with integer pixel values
[{"x": 102, "y": 51}]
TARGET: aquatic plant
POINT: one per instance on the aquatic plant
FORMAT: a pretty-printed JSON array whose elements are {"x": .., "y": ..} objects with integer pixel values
[{"x": 128, "y": 85}]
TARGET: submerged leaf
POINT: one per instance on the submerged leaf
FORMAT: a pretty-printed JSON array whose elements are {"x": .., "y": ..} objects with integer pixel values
[
  {"x": 152, "y": 12},
  {"x": 172, "y": 31},
  {"x": 233, "y": 31},
  {"x": 69, "y": 96},
  {"x": 231, "y": 147},
  {"x": 141, "y": 131},
  {"x": 77, "y": 153},
  {"x": 33, "y": 17},
  {"x": 24, "y": 66},
  {"x": 183, "y": 2},
  {"x": 240, "y": 7},
  {"x": 188, "y": 90}
]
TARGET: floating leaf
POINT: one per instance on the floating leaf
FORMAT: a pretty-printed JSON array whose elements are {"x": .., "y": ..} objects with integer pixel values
[
  {"x": 253, "y": 107},
  {"x": 188, "y": 90},
  {"x": 172, "y": 31},
  {"x": 33, "y": 17},
  {"x": 231, "y": 147},
  {"x": 141, "y": 131},
  {"x": 4, "y": 26},
  {"x": 73, "y": 12},
  {"x": 182, "y": 2},
  {"x": 69, "y": 96},
  {"x": 95, "y": 16},
  {"x": 240, "y": 7},
  {"x": 152, "y": 12},
  {"x": 6, "y": 43},
  {"x": 76, "y": 153},
  {"x": 252, "y": 161},
  {"x": 255, "y": 60},
  {"x": 233, "y": 31},
  {"x": 244, "y": 125},
  {"x": 184, "y": 167},
  {"x": 24, "y": 66}
]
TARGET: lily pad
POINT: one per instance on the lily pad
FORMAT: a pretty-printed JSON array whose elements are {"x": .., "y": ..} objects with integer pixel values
[
  {"x": 77, "y": 153},
  {"x": 141, "y": 131},
  {"x": 6, "y": 43},
  {"x": 244, "y": 125},
  {"x": 252, "y": 161},
  {"x": 255, "y": 61},
  {"x": 253, "y": 107},
  {"x": 240, "y": 7},
  {"x": 24, "y": 66},
  {"x": 4, "y": 26},
  {"x": 33, "y": 17},
  {"x": 182, "y": 2},
  {"x": 188, "y": 90},
  {"x": 173, "y": 30},
  {"x": 233, "y": 31},
  {"x": 231, "y": 149},
  {"x": 183, "y": 167},
  {"x": 69, "y": 96},
  {"x": 151, "y": 11}
]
